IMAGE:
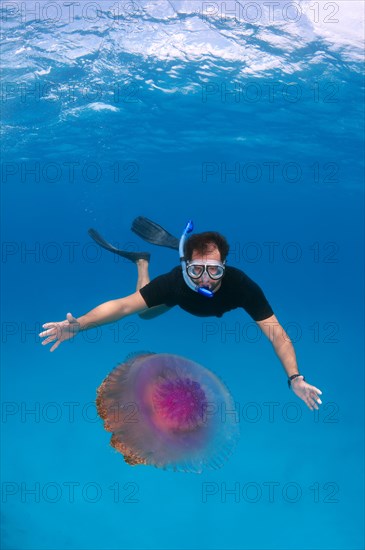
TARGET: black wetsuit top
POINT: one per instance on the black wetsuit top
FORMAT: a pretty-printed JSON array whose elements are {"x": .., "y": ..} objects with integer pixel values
[{"x": 236, "y": 290}]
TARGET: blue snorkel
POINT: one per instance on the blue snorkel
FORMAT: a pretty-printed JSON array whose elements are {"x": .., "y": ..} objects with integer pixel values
[{"x": 203, "y": 291}]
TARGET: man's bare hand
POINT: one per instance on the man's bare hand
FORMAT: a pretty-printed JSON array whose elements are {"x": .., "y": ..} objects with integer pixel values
[
  {"x": 60, "y": 331},
  {"x": 308, "y": 393}
]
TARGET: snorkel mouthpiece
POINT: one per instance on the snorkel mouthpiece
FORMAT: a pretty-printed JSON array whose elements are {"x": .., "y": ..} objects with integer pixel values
[{"x": 203, "y": 291}]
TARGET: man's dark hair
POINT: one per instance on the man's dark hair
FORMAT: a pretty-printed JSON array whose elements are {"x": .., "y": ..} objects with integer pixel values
[{"x": 201, "y": 242}]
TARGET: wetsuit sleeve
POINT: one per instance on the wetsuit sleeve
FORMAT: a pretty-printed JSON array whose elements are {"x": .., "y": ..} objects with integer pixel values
[{"x": 160, "y": 291}]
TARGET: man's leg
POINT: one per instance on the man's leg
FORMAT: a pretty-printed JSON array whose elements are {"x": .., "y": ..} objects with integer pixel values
[
  {"x": 141, "y": 260},
  {"x": 143, "y": 275},
  {"x": 142, "y": 280}
]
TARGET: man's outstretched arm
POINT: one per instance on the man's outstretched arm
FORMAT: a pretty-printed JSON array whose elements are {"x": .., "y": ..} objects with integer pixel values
[
  {"x": 284, "y": 349},
  {"x": 108, "y": 312}
]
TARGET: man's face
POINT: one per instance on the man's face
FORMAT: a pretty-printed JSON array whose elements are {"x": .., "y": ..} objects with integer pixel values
[{"x": 206, "y": 281}]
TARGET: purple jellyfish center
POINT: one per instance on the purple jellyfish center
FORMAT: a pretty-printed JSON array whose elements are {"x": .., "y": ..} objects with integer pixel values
[{"x": 179, "y": 403}]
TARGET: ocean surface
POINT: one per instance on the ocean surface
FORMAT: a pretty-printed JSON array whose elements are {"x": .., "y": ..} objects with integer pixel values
[{"x": 246, "y": 117}]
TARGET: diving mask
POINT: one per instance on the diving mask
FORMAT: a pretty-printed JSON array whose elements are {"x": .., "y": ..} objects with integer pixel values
[{"x": 214, "y": 269}]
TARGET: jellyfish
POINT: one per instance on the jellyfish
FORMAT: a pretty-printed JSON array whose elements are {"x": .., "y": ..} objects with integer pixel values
[{"x": 169, "y": 412}]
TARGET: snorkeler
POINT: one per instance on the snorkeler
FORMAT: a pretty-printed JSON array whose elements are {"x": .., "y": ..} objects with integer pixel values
[{"x": 202, "y": 285}]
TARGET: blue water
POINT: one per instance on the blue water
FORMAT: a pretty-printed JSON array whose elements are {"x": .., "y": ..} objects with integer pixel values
[{"x": 249, "y": 120}]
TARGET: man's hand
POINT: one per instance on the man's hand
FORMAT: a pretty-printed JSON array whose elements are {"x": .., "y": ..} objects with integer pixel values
[
  {"x": 61, "y": 331},
  {"x": 308, "y": 393}
]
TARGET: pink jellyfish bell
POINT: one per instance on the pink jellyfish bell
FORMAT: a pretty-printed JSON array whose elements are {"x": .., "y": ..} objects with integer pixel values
[{"x": 169, "y": 412}]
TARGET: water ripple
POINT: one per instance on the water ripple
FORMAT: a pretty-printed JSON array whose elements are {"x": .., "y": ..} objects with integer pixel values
[{"x": 132, "y": 63}]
